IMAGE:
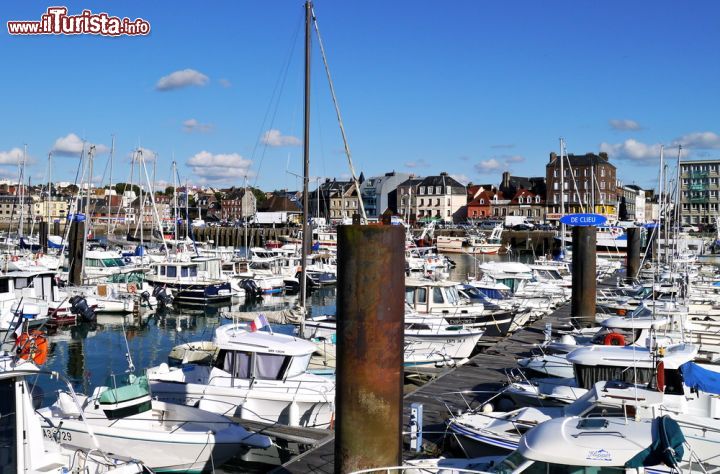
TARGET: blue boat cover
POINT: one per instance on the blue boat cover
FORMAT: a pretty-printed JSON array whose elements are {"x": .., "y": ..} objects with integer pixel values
[
  {"x": 700, "y": 378},
  {"x": 666, "y": 448}
]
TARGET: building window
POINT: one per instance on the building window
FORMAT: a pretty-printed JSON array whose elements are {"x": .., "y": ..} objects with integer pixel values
[
  {"x": 556, "y": 186},
  {"x": 521, "y": 200},
  {"x": 448, "y": 190},
  {"x": 602, "y": 172},
  {"x": 422, "y": 190},
  {"x": 482, "y": 201},
  {"x": 555, "y": 173},
  {"x": 438, "y": 189},
  {"x": 602, "y": 184}
]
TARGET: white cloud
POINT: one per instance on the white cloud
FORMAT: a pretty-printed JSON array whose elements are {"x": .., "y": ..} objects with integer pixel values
[
  {"x": 632, "y": 150},
  {"x": 274, "y": 138},
  {"x": 417, "y": 164},
  {"x": 72, "y": 145},
  {"x": 193, "y": 125},
  {"x": 461, "y": 178},
  {"x": 221, "y": 167},
  {"x": 180, "y": 79},
  {"x": 624, "y": 124},
  {"x": 701, "y": 140},
  {"x": 488, "y": 165},
  {"x": 225, "y": 83},
  {"x": 11, "y": 157}
]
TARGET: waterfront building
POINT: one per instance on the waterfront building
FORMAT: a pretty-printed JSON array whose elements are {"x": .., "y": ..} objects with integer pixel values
[
  {"x": 700, "y": 191},
  {"x": 588, "y": 185},
  {"x": 434, "y": 198},
  {"x": 379, "y": 193},
  {"x": 238, "y": 204}
]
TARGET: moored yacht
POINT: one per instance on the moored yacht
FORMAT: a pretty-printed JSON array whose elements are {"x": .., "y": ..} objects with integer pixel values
[{"x": 257, "y": 376}]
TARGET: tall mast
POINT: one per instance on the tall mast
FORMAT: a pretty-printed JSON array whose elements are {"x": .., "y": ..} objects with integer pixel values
[
  {"x": 562, "y": 195},
  {"x": 662, "y": 202},
  {"x": 306, "y": 163},
  {"x": 21, "y": 192},
  {"x": 175, "y": 214},
  {"x": 49, "y": 188},
  {"x": 90, "y": 156},
  {"x": 109, "y": 196}
]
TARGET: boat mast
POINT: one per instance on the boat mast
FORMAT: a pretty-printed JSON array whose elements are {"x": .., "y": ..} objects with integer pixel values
[
  {"x": 306, "y": 166},
  {"x": 109, "y": 196},
  {"x": 562, "y": 198},
  {"x": 175, "y": 214},
  {"x": 90, "y": 156},
  {"x": 21, "y": 192},
  {"x": 662, "y": 205},
  {"x": 49, "y": 188}
]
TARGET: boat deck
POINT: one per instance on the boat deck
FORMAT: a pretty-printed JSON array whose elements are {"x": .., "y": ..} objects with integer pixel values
[{"x": 483, "y": 374}]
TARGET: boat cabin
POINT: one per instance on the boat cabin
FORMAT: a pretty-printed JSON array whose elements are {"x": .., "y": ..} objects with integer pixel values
[
  {"x": 442, "y": 297},
  {"x": 260, "y": 355}
]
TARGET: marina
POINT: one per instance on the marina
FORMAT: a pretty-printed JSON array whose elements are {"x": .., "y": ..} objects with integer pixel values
[{"x": 455, "y": 293}]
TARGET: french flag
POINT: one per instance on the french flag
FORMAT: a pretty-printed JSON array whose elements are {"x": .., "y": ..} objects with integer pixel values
[{"x": 259, "y": 322}]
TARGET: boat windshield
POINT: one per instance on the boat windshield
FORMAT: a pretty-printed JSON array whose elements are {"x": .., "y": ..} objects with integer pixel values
[
  {"x": 113, "y": 262},
  {"x": 495, "y": 294},
  {"x": 517, "y": 463},
  {"x": 451, "y": 295}
]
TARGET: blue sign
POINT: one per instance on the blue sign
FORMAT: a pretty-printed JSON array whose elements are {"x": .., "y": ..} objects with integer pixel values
[{"x": 583, "y": 219}]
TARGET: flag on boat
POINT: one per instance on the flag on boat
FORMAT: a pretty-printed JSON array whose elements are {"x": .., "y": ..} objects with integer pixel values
[{"x": 259, "y": 322}]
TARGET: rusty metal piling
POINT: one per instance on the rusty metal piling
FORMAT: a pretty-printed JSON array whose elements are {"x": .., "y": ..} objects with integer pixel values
[
  {"x": 584, "y": 274},
  {"x": 633, "y": 254},
  {"x": 369, "y": 374}
]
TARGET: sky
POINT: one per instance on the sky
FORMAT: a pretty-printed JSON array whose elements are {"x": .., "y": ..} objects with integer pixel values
[{"x": 473, "y": 88}]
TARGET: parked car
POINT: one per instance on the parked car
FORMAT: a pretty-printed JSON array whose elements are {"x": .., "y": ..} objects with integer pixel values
[
  {"x": 521, "y": 227},
  {"x": 690, "y": 228}
]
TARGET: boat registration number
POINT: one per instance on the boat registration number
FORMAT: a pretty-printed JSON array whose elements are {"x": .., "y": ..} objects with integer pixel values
[{"x": 57, "y": 435}]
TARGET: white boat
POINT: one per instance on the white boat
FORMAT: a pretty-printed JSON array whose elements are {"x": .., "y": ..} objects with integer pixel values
[
  {"x": 122, "y": 417},
  {"x": 442, "y": 300},
  {"x": 195, "y": 282},
  {"x": 257, "y": 376},
  {"x": 487, "y": 431},
  {"x": 26, "y": 447}
]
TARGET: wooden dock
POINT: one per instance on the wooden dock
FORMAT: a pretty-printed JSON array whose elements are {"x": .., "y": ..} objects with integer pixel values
[{"x": 484, "y": 374}]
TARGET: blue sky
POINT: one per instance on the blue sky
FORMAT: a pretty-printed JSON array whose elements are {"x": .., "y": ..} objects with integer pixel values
[{"x": 468, "y": 87}]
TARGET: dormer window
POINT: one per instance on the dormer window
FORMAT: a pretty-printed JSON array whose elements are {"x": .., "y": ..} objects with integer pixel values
[
  {"x": 495, "y": 197},
  {"x": 537, "y": 199},
  {"x": 482, "y": 201},
  {"x": 521, "y": 200}
]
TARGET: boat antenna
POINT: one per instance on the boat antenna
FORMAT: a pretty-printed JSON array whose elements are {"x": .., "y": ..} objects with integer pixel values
[{"x": 128, "y": 356}]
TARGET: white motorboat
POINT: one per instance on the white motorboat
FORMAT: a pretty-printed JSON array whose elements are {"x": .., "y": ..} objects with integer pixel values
[
  {"x": 486, "y": 431},
  {"x": 26, "y": 447},
  {"x": 121, "y": 417},
  {"x": 441, "y": 299},
  {"x": 257, "y": 376}
]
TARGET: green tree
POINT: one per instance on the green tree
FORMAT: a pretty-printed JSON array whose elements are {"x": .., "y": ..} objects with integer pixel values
[
  {"x": 259, "y": 194},
  {"x": 120, "y": 188}
]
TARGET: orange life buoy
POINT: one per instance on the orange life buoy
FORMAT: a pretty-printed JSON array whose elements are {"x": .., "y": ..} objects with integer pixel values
[
  {"x": 32, "y": 346},
  {"x": 614, "y": 339},
  {"x": 621, "y": 312}
]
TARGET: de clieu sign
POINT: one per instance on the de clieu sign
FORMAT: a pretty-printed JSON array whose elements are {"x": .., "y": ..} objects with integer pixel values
[{"x": 583, "y": 219}]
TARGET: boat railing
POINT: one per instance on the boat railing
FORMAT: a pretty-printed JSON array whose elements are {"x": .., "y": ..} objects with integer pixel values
[
  {"x": 295, "y": 387},
  {"x": 419, "y": 470}
]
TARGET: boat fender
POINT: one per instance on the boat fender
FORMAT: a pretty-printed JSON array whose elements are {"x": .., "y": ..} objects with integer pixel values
[
  {"x": 660, "y": 376},
  {"x": 132, "y": 288},
  {"x": 294, "y": 415},
  {"x": 15, "y": 258},
  {"x": 614, "y": 339},
  {"x": 32, "y": 346}
]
